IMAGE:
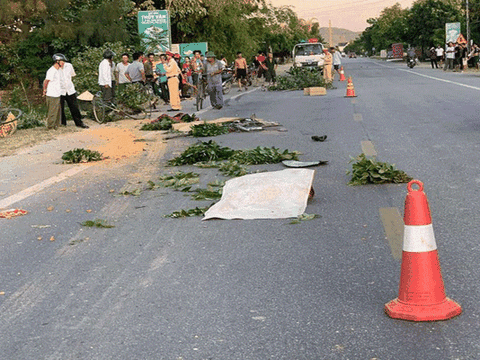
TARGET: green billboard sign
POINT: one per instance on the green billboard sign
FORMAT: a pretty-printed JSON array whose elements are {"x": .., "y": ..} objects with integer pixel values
[
  {"x": 188, "y": 49},
  {"x": 154, "y": 27},
  {"x": 452, "y": 32}
]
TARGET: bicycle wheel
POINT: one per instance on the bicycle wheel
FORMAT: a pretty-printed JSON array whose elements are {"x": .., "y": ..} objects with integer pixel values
[
  {"x": 200, "y": 95},
  {"x": 5, "y": 116},
  {"x": 149, "y": 105},
  {"x": 98, "y": 108},
  {"x": 226, "y": 88}
]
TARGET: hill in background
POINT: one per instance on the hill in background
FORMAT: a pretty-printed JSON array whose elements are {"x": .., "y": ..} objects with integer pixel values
[{"x": 339, "y": 35}]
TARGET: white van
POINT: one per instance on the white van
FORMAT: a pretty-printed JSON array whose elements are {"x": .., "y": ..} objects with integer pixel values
[{"x": 308, "y": 55}]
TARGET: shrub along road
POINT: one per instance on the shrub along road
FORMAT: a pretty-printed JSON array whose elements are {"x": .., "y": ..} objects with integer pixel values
[{"x": 163, "y": 288}]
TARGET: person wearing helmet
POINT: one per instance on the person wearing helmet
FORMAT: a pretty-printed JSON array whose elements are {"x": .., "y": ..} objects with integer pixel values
[
  {"x": 105, "y": 78},
  {"x": 53, "y": 88},
  {"x": 70, "y": 96}
]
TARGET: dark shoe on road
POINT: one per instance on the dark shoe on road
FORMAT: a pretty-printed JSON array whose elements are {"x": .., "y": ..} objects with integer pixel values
[
  {"x": 83, "y": 126},
  {"x": 319, "y": 138}
]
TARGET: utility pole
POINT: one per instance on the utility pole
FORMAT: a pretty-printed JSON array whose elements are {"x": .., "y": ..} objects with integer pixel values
[
  {"x": 468, "y": 28},
  {"x": 330, "y": 37}
]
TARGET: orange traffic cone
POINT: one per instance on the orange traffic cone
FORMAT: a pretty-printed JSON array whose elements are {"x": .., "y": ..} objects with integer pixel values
[
  {"x": 342, "y": 74},
  {"x": 350, "y": 88},
  {"x": 422, "y": 293}
]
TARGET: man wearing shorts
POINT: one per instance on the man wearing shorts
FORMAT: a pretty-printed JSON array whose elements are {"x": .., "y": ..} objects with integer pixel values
[
  {"x": 241, "y": 70},
  {"x": 337, "y": 61}
]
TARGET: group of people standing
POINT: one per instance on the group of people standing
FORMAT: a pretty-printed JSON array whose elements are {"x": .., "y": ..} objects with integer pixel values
[
  {"x": 58, "y": 89},
  {"x": 332, "y": 61},
  {"x": 455, "y": 56},
  {"x": 169, "y": 77}
]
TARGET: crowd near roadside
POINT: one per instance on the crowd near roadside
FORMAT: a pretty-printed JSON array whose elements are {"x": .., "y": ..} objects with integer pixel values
[
  {"x": 171, "y": 77},
  {"x": 455, "y": 57}
]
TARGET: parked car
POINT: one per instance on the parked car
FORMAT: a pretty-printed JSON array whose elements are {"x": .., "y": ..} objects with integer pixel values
[{"x": 352, "y": 55}]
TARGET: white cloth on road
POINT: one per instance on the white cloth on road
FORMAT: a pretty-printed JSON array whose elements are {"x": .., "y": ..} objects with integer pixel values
[{"x": 269, "y": 195}]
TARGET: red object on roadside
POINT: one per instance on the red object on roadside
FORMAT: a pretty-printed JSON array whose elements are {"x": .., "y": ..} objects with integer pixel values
[
  {"x": 421, "y": 292},
  {"x": 342, "y": 74},
  {"x": 8, "y": 214},
  {"x": 350, "y": 88}
]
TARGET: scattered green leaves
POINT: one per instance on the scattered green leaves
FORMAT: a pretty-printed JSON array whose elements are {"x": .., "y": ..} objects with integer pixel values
[
  {"x": 233, "y": 169},
  {"x": 263, "y": 155},
  {"x": 78, "y": 155},
  {"x": 304, "y": 217},
  {"x": 164, "y": 122},
  {"x": 98, "y": 223},
  {"x": 207, "y": 194},
  {"x": 188, "y": 213},
  {"x": 202, "y": 152},
  {"x": 208, "y": 129},
  {"x": 136, "y": 192},
  {"x": 180, "y": 180},
  {"x": 208, "y": 152},
  {"x": 369, "y": 171},
  {"x": 208, "y": 164}
]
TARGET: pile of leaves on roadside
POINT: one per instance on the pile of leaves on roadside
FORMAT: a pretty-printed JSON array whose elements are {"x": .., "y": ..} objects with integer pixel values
[
  {"x": 204, "y": 152},
  {"x": 209, "y": 129},
  {"x": 370, "y": 171},
  {"x": 31, "y": 119},
  {"x": 133, "y": 97},
  {"x": 164, "y": 121},
  {"x": 80, "y": 155},
  {"x": 299, "y": 78}
]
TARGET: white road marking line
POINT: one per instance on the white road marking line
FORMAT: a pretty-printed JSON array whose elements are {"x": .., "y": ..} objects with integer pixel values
[
  {"x": 368, "y": 149},
  {"x": 393, "y": 225},
  {"x": 435, "y": 78},
  {"x": 41, "y": 185},
  {"x": 231, "y": 98}
]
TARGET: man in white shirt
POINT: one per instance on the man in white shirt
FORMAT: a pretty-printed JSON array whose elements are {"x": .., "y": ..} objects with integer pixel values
[
  {"x": 337, "y": 61},
  {"x": 70, "y": 96},
  {"x": 449, "y": 56},
  {"x": 439, "y": 51},
  {"x": 105, "y": 79},
  {"x": 53, "y": 88},
  {"x": 122, "y": 80}
]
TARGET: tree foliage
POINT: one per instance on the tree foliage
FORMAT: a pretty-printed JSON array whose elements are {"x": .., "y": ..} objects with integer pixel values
[
  {"x": 33, "y": 30},
  {"x": 422, "y": 25}
]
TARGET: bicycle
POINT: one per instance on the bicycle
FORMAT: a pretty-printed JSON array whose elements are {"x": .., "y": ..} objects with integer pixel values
[
  {"x": 8, "y": 121},
  {"x": 200, "y": 91},
  {"x": 105, "y": 111}
]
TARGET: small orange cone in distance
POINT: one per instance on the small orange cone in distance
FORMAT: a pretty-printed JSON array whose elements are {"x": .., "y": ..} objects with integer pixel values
[
  {"x": 350, "y": 88},
  {"x": 342, "y": 74},
  {"x": 421, "y": 292}
]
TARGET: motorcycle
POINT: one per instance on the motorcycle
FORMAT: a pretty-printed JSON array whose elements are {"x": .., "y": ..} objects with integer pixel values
[
  {"x": 227, "y": 80},
  {"x": 411, "y": 62}
]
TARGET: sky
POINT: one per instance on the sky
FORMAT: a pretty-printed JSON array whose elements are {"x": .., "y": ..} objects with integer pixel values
[{"x": 345, "y": 14}]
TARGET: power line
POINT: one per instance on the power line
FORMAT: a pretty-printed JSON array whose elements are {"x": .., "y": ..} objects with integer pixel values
[{"x": 361, "y": 4}]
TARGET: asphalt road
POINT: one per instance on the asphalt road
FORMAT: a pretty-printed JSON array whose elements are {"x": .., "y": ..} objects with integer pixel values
[{"x": 161, "y": 288}]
